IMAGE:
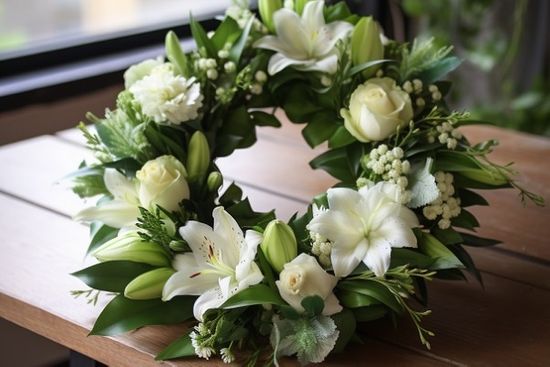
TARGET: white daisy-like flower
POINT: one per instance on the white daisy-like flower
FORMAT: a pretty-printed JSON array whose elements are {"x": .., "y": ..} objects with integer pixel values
[{"x": 167, "y": 97}]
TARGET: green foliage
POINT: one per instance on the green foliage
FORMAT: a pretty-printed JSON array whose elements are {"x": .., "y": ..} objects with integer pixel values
[
  {"x": 426, "y": 61},
  {"x": 258, "y": 294},
  {"x": 157, "y": 227},
  {"x": 111, "y": 276},
  {"x": 181, "y": 347},
  {"x": 122, "y": 314},
  {"x": 99, "y": 234}
]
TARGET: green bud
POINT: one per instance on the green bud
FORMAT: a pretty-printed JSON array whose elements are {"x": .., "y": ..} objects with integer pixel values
[
  {"x": 488, "y": 175},
  {"x": 178, "y": 245},
  {"x": 175, "y": 54},
  {"x": 267, "y": 9},
  {"x": 279, "y": 245},
  {"x": 198, "y": 158},
  {"x": 148, "y": 285},
  {"x": 214, "y": 181},
  {"x": 299, "y": 5},
  {"x": 131, "y": 247},
  {"x": 366, "y": 45}
]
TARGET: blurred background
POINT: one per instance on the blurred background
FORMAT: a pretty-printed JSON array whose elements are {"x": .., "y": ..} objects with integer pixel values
[{"x": 61, "y": 58}]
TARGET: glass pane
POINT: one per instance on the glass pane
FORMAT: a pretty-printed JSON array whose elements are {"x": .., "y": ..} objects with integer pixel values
[{"x": 33, "y": 25}]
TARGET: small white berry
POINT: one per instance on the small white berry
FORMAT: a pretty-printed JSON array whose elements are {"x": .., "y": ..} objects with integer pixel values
[
  {"x": 212, "y": 74},
  {"x": 260, "y": 76}
]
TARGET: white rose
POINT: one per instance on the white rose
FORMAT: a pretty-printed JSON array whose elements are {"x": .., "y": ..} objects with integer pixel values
[
  {"x": 376, "y": 109},
  {"x": 139, "y": 71},
  {"x": 304, "y": 277},
  {"x": 167, "y": 97},
  {"x": 163, "y": 182}
]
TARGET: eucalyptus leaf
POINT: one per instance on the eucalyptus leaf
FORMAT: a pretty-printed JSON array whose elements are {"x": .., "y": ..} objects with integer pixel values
[
  {"x": 313, "y": 305},
  {"x": 111, "y": 276},
  {"x": 122, "y": 314}
]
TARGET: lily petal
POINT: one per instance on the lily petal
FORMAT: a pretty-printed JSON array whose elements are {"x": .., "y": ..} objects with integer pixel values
[
  {"x": 227, "y": 228},
  {"x": 202, "y": 240},
  {"x": 189, "y": 280},
  {"x": 378, "y": 257},
  {"x": 120, "y": 186},
  {"x": 312, "y": 16},
  {"x": 396, "y": 233},
  {"x": 292, "y": 34},
  {"x": 345, "y": 259},
  {"x": 278, "y": 62},
  {"x": 115, "y": 213},
  {"x": 212, "y": 298}
]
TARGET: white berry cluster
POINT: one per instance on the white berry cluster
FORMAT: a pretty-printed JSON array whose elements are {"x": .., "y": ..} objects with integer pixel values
[
  {"x": 389, "y": 164},
  {"x": 446, "y": 206},
  {"x": 201, "y": 340},
  {"x": 448, "y": 135},
  {"x": 209, "y": 66},
  {"x": 322, "y": 248},
  {"x": 416, "y": 87},
  {"x": 257, "y": 87}
]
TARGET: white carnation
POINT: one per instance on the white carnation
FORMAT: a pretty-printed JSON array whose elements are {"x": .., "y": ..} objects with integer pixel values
[{"x": 165, "y": 96}]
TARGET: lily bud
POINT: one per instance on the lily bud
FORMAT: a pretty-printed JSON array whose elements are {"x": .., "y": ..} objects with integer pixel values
[
  {"x": 489, "y": 175},
  {"x": 299, "y": 5},
  {"x": 198, "y": 158},
  {"x": 131, "y": 247},
  {"x": 279, "y": 244},
  {"x": 148, "y": 285},
  {"x": 366, "y": 45},
  {"x": 214, "y": 181},
  {"x": 267, "y": 9}
]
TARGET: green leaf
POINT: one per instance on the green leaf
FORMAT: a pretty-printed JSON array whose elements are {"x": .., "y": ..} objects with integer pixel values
[
  {"x": 370, "y": 313},
  {"x": 335, "y": 163},
  {"x": 340, "y": 138},
  {"x": 181, "y": 347},
  {"x": 439, "y": 69},
  {"x": 447, "y": 236},
  {"x": 175, "y": 54},
  {"x": 300, "y": 104},
  {"x": 100, "y": 233},
  {"x": 351, "y": 299},
  {"x": 313, "y": 305},
  {"x": 320, "y": 128},
  {"x": 259, "y": 294},
  {"x": 465, "y": 220},
  {"x": 431, "y": 246},
  {"x": 122, "y": 314},
  {"x": 127, "y": 165},
  {"x": 346, "y": 324},
  {"x": 470, "y": 198},
  {"x": 467, "y": 260},
  {"x": 201, "y": 39},
  {"x": 266, "y": 269},
  {"x": 364, "y": 66},
  {"x": 339, "y": 11},
  {"x": 227, "y": 31},
  {"x": 239, "y": 46},
  {"x": 476, "y": 241},
  {"x": 261, "y": 118},
  {"x": 111, "y": 276},
  {"x": 404, "y": 256},
  {"x": 231, "y": 195},
  {"x": 374, "y": 290}
]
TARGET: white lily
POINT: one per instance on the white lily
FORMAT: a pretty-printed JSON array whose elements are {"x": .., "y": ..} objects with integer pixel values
[
  {"x": 221, "y": 263},
  {"x": 363, "y": 226},
  {"x": 123, "y": 210},
  {"x": 307, "y": 43}
]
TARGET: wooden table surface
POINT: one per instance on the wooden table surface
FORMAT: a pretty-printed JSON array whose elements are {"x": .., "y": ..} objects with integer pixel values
[{"x": 505, "y": 324}]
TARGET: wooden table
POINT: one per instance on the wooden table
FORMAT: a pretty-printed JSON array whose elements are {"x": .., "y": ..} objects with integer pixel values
[{"x": 505, "y": 324}]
